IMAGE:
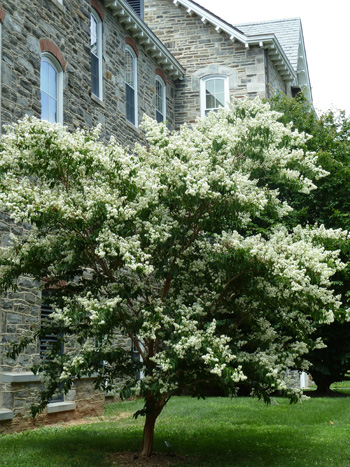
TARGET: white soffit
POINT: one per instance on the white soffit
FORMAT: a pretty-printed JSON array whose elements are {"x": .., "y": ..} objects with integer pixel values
[{"x": 138, "y": 29}]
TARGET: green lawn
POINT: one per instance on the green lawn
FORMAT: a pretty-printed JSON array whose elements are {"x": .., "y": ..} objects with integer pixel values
[
  {"x": 341, "y": 384},
  {"x": 214, "y": 432}
]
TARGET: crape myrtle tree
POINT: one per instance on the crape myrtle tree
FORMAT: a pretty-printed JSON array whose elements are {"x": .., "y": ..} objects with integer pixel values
[
  {"x": 328, "y": 205},
  {"x": 157, "y": 244}
]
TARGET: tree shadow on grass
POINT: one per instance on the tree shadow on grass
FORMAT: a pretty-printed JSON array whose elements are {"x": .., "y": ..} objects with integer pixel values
[{"x": 229, "y": 444}]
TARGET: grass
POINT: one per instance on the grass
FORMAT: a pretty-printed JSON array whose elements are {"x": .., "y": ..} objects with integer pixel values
[
  {"x": 214, "y": 432},
  {"x": 341, "y": 384}
]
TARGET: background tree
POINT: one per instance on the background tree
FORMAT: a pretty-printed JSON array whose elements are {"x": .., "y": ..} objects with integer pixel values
[
  {"x": 156, "y": 245},
  {"x": 328, "y": 205}
]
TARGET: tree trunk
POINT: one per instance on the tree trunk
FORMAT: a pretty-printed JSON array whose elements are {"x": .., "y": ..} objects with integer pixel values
[
  {"x": 322, "y": 382},
  {"x": 148, "y": 434}
]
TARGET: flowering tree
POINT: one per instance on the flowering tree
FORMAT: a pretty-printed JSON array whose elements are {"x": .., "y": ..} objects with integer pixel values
[
  {"x": 329, "y": 204},
  {"x": 158, "y": 245}
]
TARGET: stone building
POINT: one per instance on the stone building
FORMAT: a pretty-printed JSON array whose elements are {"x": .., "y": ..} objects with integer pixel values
[{"x": 84, "y": 62}]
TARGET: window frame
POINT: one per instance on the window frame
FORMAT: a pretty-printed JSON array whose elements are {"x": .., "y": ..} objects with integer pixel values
[
  {"x": 203, "y": 89},
  {"x": 160, "y": 80},
  {"x": 131, "y": 51},
  {"x": 52, "y": 60},
  {"x": 99, "y": 56}
]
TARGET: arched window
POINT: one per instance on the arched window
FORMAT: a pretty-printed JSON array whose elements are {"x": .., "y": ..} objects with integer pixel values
[
  {"x": 160, "y": 100},
  {"x": 214, "y": 93},
  {"x": 51, "y": 87},
  {"x": 131, "y": 85},
  {"x": 96, "y": 54}
]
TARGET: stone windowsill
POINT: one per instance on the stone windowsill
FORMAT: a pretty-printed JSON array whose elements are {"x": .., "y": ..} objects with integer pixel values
[
  {"x": 55, "y": 407},
  {"x": 6, "y": 414},
  {"x": 23, "y": 377},
  {"x": 97, "y": 100},
  {"x": 29, "y": 377}
]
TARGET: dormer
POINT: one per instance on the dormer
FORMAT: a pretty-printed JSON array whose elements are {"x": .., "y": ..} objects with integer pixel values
[{"x": 137, "y": 6}]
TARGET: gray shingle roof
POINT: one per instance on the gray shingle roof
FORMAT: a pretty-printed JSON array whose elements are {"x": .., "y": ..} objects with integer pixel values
[{"x": 287, "y": 32}]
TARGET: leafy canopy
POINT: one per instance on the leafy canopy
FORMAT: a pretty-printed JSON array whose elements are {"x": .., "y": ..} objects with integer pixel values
[
  {"x": 157, "y": 245},
  {"x": 329, "y": 204}
]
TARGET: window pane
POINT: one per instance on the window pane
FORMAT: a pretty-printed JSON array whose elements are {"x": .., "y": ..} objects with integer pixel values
[
  {"x": 219, "y": 86},
  {"x": 210, "y": 101},
  {"x": 52, "y": 110},
  {"x": 44, "y": 84},
  {"x": 130, "y": 103},
  {"x": 210, "y": 86},
  {"x": 95, "y": 84},
  {"x": 44, "y": 106},
  {"x": 159, "y": 96},
  {"x": 159, "y": 117},
  {"x": 93, "y": 31},
  {"x": 220, "y": 100},
  {"x": 129, "y": 69},
  {"x": 52, "y": 81},
  {"x": 215, "y": 93}
]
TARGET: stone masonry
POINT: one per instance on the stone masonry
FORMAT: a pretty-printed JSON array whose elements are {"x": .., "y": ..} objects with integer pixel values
[
  {"x": 28, "y": 29},
  {"x": 67, "y": 25},
  {"x": 202, "y": 51}
]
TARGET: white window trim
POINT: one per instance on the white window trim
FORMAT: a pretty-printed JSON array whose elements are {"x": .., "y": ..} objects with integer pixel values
[
  {"x": 161, "y": 81},
  {"x": 203, "y": 90},
  {"x": 49, "y": 58},
  {"x": 129, "y": 49},
  {"x": 99, "y": 53}
]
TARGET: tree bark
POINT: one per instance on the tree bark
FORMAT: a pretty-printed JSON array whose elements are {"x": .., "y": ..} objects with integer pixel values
[
  {"x": 148, "y": 434},
  {"x": 322, "y": 382}
]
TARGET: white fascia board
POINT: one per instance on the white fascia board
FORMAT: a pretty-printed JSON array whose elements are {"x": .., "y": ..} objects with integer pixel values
[
  {"x": 305, "y": 66},
  {"x": 122, "y": 9},
  {"x": 270, "y": 42},
  {"x": 208, "y": 17}
]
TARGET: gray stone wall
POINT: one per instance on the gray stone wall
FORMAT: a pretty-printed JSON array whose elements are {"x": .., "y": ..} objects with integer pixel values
[
  {"x": 276, "y": 82},
  {"x": 19, "y": 310},
  {"x": 68, "y": 26},
  {"x": 18, "y": 397},
  {"x": 201, "y": 50}
]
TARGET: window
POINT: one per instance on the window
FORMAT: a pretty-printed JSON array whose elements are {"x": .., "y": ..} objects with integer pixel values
[
  {"x": 51, "y": 87},
  {"x": 214, "y": 93},
  {"x": 47, "y": 342},
  {"x": 160, "y": 100},
  {"x": 137, "y": 6},
  {"x": 96, "y": 54},
  {"x": 131, "y": 85}
]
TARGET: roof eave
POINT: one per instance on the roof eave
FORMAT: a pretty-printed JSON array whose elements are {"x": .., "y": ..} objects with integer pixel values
[
  {"x": 267, "y": 41},
  {"x": 132, "y": 22},
  {"x": 306, "y": 83},
  {"x": 208, "y": 17},
  {"x": 276, "y": 54}
]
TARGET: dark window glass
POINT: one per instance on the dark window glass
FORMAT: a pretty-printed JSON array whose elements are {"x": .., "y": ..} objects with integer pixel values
[
  {"x": 130, "y": 103},
  {"x": 46, "y": 344}
]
